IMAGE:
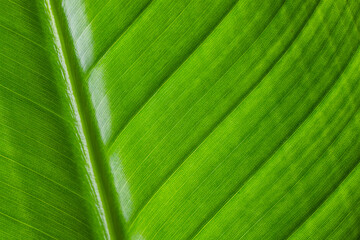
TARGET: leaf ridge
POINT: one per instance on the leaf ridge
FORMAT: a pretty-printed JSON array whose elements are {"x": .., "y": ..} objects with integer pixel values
[
  {"x": 225, "y": 116},
  {"x": 299, "y": 125},
  {"x": 19, "y": 221},
  {"x": 117, "y": 39},
  {"x": 171, "y": 74},
  {"x": 341, "y": 222},
  {"x": 60, "y": 185},
  {"x": 22, "y": 36},
  {"x": 325, "y": 199},
  {"x": 35, "y": 103},
  {"x": 48, "y": 204},
  {"x": 308, "y": 169},
  {"x": 143, "y": 52},
  {"x": 45, "y": 216},
  {"x": 21, "y": 64},
  {"x": 35, "y": 140},
  {"x": 26, "y": 9}
]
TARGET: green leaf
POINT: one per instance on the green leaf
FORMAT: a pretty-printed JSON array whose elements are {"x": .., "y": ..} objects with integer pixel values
[{"x": 159, "y": 119}]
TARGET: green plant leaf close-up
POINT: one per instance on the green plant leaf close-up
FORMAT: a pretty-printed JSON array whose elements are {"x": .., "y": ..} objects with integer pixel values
[{"x": 185, "y": 119}]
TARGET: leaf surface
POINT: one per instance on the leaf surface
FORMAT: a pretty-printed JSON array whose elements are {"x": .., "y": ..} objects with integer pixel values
[{"x": 157, "y": 119}]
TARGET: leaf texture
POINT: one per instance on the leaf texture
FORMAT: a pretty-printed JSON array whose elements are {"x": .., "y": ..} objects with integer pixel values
[{"x": 158, "y": 119}]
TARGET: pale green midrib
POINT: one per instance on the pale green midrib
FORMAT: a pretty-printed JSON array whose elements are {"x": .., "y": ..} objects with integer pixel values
[{"x": 85, "y": 123}]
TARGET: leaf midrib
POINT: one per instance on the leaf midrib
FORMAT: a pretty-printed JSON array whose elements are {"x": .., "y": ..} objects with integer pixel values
[{"x": 86, "y": 127}]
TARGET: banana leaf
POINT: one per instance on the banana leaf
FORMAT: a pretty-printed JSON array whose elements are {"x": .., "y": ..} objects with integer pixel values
[{"x": 159, "y": 119}]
